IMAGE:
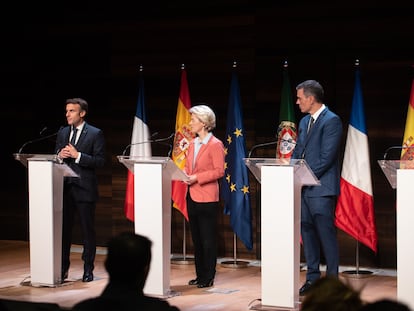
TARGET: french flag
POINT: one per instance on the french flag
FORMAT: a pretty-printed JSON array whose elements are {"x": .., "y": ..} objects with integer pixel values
[
  {"x": 355, "y": 206},
  {"x": 140, "y": 133}
]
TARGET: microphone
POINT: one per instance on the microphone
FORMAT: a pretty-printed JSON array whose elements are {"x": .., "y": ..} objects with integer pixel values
[
  {"x": 42, "y": 131},
  {"x": 164, "y": 139},
  {"x": 261, "y": 145},
  {"x": 395, "y": 147},
  {"x": 39, "y": 139},
  {"x": 149, "y": 141}
]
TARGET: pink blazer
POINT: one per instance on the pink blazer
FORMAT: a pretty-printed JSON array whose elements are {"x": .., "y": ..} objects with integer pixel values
[{"x": 209, "y": 167}]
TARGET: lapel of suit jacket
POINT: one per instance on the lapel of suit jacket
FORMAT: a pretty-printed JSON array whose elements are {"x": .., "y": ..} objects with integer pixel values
[
  {"x": 82, "y": 134},
  {"x": 67, "y": 134},
  {"x": 315, "y": 126},
  {"x": 190, "y": 157}
]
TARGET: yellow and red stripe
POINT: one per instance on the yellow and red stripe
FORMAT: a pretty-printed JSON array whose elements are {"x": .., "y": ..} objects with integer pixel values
[
  {"x": 183, "y": 136},
  {"x": 408, "y": 140}
]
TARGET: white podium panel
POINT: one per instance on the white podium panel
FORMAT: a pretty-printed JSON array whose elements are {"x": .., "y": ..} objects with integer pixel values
[
  {"x": 45, "y": 178},
  {"x": 152, "y": 213},
  {"x": 400, "y": 175},
  {"x": 280, "y": 234},
  {"x": 45, "y": 223},
  {"x": 281, "y": 186},
  {"x": 152, "y": 201},
  {"x": 405, "y": 250}
]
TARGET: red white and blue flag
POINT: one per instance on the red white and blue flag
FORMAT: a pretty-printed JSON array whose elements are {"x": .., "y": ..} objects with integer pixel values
[
  {"x": 355, "y": 207},
  {"x": 140, "y": 133}
]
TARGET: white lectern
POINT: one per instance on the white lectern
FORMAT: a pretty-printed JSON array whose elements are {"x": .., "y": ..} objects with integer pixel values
[
  {"x": 152, "y": 213},
  {"x": 400, "y": 175},
  {"x": 45, "y": 175},
  {"x": 281, "y": 184}
]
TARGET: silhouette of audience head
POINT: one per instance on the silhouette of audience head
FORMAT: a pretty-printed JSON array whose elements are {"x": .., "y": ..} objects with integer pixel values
[
  {"x": 128, "y": 260},
  {"x": 127, "y": 263},
  {"x": 331, "y": 294},
  {"x": 385, "y": 305}
]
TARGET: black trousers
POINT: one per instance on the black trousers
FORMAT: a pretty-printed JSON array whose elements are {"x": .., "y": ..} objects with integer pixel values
[
  {"x": 86, "y": 213},
  {"x": 203, "y": 225}
]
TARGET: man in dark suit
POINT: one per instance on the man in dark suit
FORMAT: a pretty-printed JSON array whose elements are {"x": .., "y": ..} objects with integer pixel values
[
  {"x": 82, "y": 147},
  {"x": 319, "y": 139},
  {"x": 128, "y": 263}
]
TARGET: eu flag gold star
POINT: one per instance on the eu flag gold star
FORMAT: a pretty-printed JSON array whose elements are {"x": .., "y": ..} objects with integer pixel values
[
  {"x": 238, "y": 132},
  {"x": 229, "y": 139}
]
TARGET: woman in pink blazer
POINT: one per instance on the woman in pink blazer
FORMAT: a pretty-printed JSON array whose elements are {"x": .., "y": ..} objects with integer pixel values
[{"x": 204, "y": 166}]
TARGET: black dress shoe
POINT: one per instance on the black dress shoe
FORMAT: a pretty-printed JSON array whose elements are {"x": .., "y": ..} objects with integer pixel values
[
  {"x": 193, "y": 282},
  {"x": 87, "y": 277},
  {"x": 305, "y": 288},
  {"x": 205, "y": 284},
  {"x": 64, "y": 275}
]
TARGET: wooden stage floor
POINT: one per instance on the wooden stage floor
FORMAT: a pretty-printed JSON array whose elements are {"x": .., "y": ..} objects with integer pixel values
[{"x": 235, "y": 289}]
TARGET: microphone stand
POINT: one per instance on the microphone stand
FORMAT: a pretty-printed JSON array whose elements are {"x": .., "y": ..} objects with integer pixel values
[
  {"x": 395, "y": 147},
  {"x": 159, "y": 140},
  {"x": 169, "y": 148},
  {"x": 37, "y": 140},
  {"x": 261, "y": 145}
]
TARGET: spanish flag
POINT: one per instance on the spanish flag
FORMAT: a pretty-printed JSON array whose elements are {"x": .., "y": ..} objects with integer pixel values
[
  {"x": 408, "y": 140},
  {"x": 183, "y": 136}
]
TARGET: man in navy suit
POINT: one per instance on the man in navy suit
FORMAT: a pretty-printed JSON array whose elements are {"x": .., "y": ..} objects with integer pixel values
[
  {"x": 82, "y": 147},
  {"x": 319, "y": 139}
]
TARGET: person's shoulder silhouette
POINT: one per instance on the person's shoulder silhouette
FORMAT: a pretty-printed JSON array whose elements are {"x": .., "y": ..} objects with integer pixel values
[{"x": 127, "y": 263}]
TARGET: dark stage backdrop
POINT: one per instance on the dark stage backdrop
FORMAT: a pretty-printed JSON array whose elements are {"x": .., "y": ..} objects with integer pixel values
[{"x": 53, "y": 52}]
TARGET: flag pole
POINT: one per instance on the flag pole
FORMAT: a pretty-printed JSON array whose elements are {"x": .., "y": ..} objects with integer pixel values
[
  {"x": 357, "y": 273},
  {"x": 184, "y": 260},
  {"x": 235, "y": 264}
]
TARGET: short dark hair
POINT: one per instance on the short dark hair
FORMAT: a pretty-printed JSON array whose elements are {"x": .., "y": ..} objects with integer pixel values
[
  {"x": 312, "y": 88},
  {"x": 129, "y": 255},
  {"x": 80, "y": 101},
  {"x": 385, "y": 304},
  {"x": 330, "y": 293}
]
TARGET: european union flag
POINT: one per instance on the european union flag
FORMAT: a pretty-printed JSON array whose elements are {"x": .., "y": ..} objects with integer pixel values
[{"x": 235, "y": 187}]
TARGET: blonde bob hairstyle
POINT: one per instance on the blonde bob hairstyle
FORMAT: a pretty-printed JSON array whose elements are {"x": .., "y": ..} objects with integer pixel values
[{"x": 205, "y": 115}]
